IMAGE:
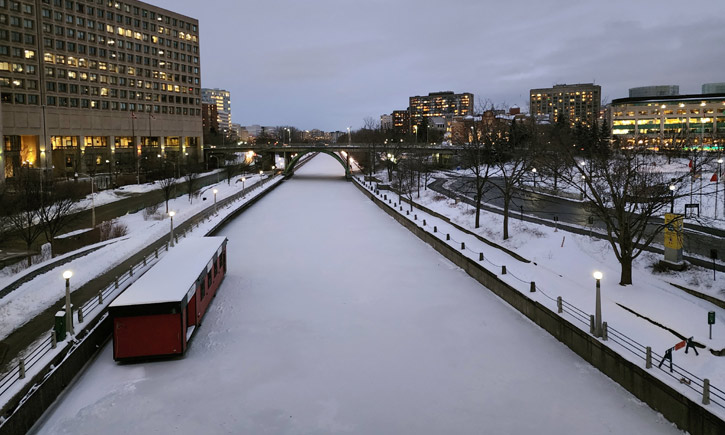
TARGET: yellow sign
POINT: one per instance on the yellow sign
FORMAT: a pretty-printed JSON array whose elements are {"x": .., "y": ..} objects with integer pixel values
[{"x": 673, "y": 230}]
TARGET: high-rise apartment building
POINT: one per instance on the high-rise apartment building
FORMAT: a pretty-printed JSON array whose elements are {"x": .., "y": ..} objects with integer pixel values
[
  {"x": 85, "y": 82},
  {"x": 440, "y": 104},
  {"x": 401, "y": 121},
  {"x": 223, "y": 102},
  {"x": 578, "y": 103}
]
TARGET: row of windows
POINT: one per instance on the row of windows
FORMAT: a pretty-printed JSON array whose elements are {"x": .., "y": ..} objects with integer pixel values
[
  {"x": 90, "y": 10},
  {"x": 16, "y": 6},
  {"x": 7, "y": 35},
  {"x": 83, "y": 49},
  {"x": 14, "y": 21},
  {"x": 84, "y": 103}
]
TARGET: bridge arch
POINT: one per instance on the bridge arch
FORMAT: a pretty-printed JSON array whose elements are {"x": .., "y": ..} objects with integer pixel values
[{"x": 290, "y": 167}]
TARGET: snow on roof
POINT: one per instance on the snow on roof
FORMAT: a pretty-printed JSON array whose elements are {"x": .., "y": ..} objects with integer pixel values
[{"x": 172, "y": 277}]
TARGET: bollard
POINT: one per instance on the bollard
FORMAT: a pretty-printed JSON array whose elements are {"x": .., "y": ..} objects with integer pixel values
[
  {"x": 533, "y": 287},
  {"x": 648, "y": 358},
  {"x": 401, "y": 208},
  {"x": 423, "y": 222},
  {"x": 144, "y": 261},
  {"x": 53, "y": 340},
  {"x": 463, "y": 246},
  {"x": 448, "y": 237},
  {"x": 705, "y": 392},
  {"x": 415, "y": 217},
  {"x": 407, "y": 212},
  {"x": 503, "y": 270},
  {"x": 80, "y": 314},
  {"x": 116, "y": 283},
  {"x": 480, "y": 256},
  {"x": 100, "y": 297},
  {"x": 559, "y": 305},
  {"x": 604, "y": 331},
  {"x": 130, "y": 271},
  {"x": 435, "y": 229},
  {"x": 385, "y": 197},
  {"x": 156, "y": 252},
  {"x": 21, "y": 369},
  {"x": 591, "y": 324}
]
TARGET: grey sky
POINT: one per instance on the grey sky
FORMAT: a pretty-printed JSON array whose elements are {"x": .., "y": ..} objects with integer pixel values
[{"x": 329, "y": 63}]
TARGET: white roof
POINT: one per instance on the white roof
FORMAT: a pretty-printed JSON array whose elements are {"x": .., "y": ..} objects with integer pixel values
[{"x": 172, "y": 277}]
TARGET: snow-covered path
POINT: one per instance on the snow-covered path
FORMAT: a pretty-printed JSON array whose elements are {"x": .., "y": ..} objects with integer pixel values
[{"x": 335, "y": 319}]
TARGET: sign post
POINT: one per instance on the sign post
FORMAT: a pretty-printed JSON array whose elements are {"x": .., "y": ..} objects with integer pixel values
[{"x": 711, "y": 321}]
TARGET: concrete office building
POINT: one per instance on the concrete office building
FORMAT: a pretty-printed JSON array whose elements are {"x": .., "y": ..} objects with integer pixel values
[
  {"x": 579, "y": 103},
  {"x": 713, "y": 88},
  {"x": 92, "y": 85}
]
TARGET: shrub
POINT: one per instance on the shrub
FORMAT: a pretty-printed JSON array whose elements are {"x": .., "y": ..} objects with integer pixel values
[
  {"x": 150, "y": 211},
  {"x": 112, "y": 229}
]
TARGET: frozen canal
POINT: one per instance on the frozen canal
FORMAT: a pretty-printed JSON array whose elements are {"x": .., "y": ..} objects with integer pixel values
[{"x": 335, "y": 319}]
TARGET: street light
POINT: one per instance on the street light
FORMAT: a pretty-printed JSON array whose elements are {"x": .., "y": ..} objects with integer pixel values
[
  {"x": 215, "y": 192},
  {"x": 584, "y": 182},
  {"x": 349, "y": 139},
  {"x": 243, "y": 180},
  {"x": 672, "y": 195},
  {"x": 598, "y": 312},
  {"x": 171, "y": 233},
  {"x": 717, "y": 185},
  {"x": 68, "y": 315},
  {"x": 534, "y": 171},
  {"x": 110, "y": 174}
]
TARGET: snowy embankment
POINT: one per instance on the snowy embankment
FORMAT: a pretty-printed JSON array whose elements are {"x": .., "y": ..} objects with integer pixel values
[
  {"x": 36, "y": 295},
  {"x": 334, "y": 319},
  {"x": 562, "y": 264}
]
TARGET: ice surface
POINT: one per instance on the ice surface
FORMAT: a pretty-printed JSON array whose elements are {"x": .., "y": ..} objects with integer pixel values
[{"x": 334, "y": 319}]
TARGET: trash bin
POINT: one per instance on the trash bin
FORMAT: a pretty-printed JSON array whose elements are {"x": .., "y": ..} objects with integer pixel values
[{"x": 60, "y": 327}]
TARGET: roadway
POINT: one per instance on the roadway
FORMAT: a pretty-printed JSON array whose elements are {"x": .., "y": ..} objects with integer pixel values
[
  {"x": 335, "y": 319},
  {"x": 698, "y": 240}
]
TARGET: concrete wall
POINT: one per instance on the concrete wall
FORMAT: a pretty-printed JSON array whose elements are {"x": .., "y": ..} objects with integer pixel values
[{"x": 677, "y": 408}]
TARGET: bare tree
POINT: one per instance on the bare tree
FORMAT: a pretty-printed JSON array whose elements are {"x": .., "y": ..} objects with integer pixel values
[
  {"x": 405, "y": 179},
  {"x": 24, "y": 216},
  {"x": 191, "y": 179},
  {"x": 57, "y": 210},
  {"x": 168, "y": 185},
  {"x": 477, "y": 159}
]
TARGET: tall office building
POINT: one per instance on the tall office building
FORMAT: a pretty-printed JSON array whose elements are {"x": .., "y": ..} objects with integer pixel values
[
  {"x": 440, "y": 104},
  {"x": 87, "y": 83},
  {"x": 401, "y": 121},
  {"x": 578, "y": 103},
  {"x": 223, "y": 102}
]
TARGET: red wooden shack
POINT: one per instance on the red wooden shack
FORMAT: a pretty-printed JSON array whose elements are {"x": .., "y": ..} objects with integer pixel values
[{"x": 157, "y": 315}]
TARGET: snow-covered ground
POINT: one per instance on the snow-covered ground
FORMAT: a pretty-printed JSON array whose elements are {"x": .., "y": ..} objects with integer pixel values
[
  {"x": 35, "y": 296},
  {"x": 335, "y": 319}
]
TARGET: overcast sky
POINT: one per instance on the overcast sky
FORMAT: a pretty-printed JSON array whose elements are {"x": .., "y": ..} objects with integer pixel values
[{"x": 328, "y": 64}]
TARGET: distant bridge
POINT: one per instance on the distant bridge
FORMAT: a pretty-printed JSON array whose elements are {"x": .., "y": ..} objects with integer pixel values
[{"x": 293, "y": 152}]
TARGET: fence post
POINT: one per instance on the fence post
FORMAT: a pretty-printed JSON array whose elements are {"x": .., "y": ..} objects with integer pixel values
[
  {"x": 100, "y": 297},
  {"x": 80, "y": 314},
  {"x": 435, "y": 229},
  {"x": 167, "y": 246},
  {"x": 21, "y": 368},
  {"x": 533, "y": 287},
  {"x": 591, "y": 324},
  {"x": 415, "y": 217},
  {"x": 144, "y": 261},
  {"x": 705, "y": 392},
  {"x": 423, "y": 222},
  {"x": 130, "y": 271},
  {"x": 648, "y": 358},
  {"x": 53, "y": 339},
  {"x": 156, "y": 252},
  {"x": 448, "y": 237},
  {"x": 480, "y": 256},
  {"x": 559, "y": 305},
  {"x": 407, "y": 212},
  {"x": 116, "y": 283},
  {"x": 503, "y": 270},
  {"x": 463, "y": 246},
  {"x": 604, "y": 331}
]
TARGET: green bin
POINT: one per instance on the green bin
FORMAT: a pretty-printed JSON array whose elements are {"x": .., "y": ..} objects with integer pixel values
[{"x": 60, "y": 326}]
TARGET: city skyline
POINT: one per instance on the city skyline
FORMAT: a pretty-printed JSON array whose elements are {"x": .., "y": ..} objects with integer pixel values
[{"x": 328, "y": 65}]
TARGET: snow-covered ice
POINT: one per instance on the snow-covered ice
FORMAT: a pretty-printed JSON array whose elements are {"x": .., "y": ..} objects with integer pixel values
[{"x": 335, "y": 319}]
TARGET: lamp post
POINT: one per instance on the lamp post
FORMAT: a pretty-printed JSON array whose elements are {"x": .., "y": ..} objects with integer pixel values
[
  {"x": 598, "y": 308},
  {"x": 110, "y": 174},
  {"x": 243, "y": 180},
  {"x": 717, "y": 185},
  {"x": 534, "y": 171},
  {"x": 215, "y": 192},
  {"x": 349, "y": 138},
  {"x": 261, "y": 179},
  {"x": 171, "y": 233},
  {"x": 68, "y": 315},
  {"x": 289, "y": 136},
  {"x": 672, "y": 196},
  {"x": 584, "y": 182}
]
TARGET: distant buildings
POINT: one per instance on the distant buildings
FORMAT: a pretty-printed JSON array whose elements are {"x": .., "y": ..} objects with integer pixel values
[
  {"x": 654, "y": 91},
  {"x": 209, "y": 118},
  {"x": 401, "y": 122},
  {"x": 713, "y": 88},
  {"x": 681, "y": 119},
  {"x": 579, "y": 103},
  {"x": 440, "y": 104},
  {"x": 223, "y": 102},
  {"x": 386, "y": 122},
  {"x": 97, "y": 86}
]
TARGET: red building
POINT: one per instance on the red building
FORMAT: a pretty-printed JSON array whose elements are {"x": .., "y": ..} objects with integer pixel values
[{"x": 157, "y": 315}]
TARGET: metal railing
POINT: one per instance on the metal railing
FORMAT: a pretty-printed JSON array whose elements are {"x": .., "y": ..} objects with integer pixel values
[{"x": 710, "y": 393}]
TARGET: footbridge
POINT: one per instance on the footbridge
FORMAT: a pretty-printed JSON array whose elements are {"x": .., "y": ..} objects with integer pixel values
[{"x": 293, "y": 152}]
